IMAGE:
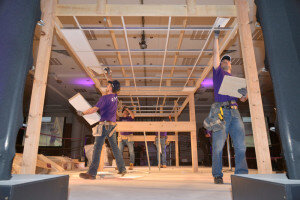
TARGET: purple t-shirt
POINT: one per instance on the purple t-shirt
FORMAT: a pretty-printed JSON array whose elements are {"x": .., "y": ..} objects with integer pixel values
[
  {"x": 126, "y": 119},
  {"x": 161, "y": 134},
  {"x": 218, "y": 75},
  {"x": 108, "y": 105}
]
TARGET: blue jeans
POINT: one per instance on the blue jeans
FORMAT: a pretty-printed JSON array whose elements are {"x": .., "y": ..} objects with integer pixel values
[
  {"x": 130, "y": 148},
  {"x": 163, "y": 150},
  {"x": 235, "y": 127},
  {"x": 99, "y": 141}
]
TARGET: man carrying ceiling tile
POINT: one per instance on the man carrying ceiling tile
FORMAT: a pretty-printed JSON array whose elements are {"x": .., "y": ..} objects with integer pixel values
[
  {"x": 107, "y": 105},
  {"x": 226, "y": 110}
]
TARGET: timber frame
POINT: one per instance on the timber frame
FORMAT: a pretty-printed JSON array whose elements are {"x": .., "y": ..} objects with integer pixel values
[{"x": 185, "y": 93}]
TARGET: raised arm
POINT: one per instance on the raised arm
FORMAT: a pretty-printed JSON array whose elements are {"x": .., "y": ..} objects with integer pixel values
[
  {"x": 216, "y": 50},
  {"x": 130, "y": 112}
]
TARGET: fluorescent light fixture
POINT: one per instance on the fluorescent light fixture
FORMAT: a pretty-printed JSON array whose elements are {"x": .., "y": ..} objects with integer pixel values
[{"x": 221, "y": 22}]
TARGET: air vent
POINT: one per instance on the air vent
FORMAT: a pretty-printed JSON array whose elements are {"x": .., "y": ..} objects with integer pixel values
[
  {"x": 54, "y": 61},
  {"x": 80, "y": 90},
  {"x": 236, "y": 61},
  {"x": 64, "y": 52},
  {"x": 203, "y": 99},
  {"x": 199, "y": 35},
  {"x": 103, "y": 61},
  {"x": 90, "y": 35},
  {"x": 257, "y": 34},
  {"x": 188, "y": 61},
  {"x": 209, "y": 90}
]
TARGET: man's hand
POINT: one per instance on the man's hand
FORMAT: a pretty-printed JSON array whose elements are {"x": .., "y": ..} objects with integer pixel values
[
  {"x": 107, "y": 71},
  {"x": 243, "y": 91},
  {"x": 80, "y": 113}
]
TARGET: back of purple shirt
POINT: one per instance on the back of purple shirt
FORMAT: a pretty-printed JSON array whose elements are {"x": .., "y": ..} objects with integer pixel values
[
  {"x": 161, "y": 134},
  {"x": 128, "y": 118},
  {"x": 218, "y": 76},
  {"x": 108, "y": 105}
]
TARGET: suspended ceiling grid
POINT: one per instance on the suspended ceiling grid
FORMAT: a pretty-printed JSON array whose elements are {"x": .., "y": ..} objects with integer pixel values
[{"x": 147, "y": 65}]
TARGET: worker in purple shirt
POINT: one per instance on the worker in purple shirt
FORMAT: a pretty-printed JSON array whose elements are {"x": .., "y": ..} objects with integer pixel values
[
  {"x": 124, "y": 137},
  {"x": 233, "y": 122},
  {"x": 107, "y": 105},
  {"x": 163, "y": 140}
]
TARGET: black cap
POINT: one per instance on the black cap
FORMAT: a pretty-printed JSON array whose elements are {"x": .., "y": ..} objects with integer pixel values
[
  {"x": 116, "y": 86},
  {"x": 226, "y": 57}
]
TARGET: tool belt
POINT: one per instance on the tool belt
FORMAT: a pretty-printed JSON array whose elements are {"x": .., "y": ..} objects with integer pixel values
[
  {"x": 98, "y": 129},
  {"x": 229, "y": 105}
]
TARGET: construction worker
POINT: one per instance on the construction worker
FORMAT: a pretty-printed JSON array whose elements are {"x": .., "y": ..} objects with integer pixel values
[
  {"x": 107, "y": 105},
  {"x": 125, "y": 137},
  {"x": 230, "y": 115},
  {"x": 162, "y": 152}
]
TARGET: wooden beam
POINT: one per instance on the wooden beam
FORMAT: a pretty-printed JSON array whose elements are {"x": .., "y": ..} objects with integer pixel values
[
  {"x": 146, "y": 10},
  {"x": 155, "y": 126},
  {"x": 193, "y": 133},
  {"x": 101, "y": 7},
  {"x": 262, "y": 152},
  {"x": 153, "y": 115},
  {"x": 114, "y": 40},
  {"x": 191, "y": 7},
  {"x": 150, "y": 138},
  {"x": 230, "y": 35},
  {"x": 176, "y": 138},
  {"x": 178, "y": 47},
  {"x": 38, "y": 90},
  {"x": 153, "y": 93},
  {"x": 183, "y": 106}
]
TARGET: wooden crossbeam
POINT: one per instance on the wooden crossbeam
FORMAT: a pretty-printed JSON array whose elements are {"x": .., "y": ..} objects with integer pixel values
[
  {"x": 178, "y": 47},
  {"x": 114, "y": 40},
  {"x": 150, "y": 138},
  {"x": 155, "y": 126},
  {"x": 146, "y": 10}
]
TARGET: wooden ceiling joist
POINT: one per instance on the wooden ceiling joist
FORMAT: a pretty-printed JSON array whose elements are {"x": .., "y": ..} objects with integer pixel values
[{"x": 146, "y": 10}]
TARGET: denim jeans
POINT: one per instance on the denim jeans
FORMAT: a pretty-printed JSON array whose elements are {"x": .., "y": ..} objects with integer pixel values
[
  {"x": 99, "y": 141},
  {"x": 235, "y": 127},
  {"x": 163, "y": 159},
  {"x": 130, "y": 148}
]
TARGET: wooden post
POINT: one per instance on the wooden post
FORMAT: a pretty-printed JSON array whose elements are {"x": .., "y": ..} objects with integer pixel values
[
  {"x": 191, "y": 7},
  {"x": 255, "y": 103},
  {"x": 193, "y": 133},
  {"x": 176, "y": 137},
  {"x": 32, "y": 137},
  {"x": 176, "y": 146},
  {"x": 101, "y": 7},
  {"x": 101, "y": 163}
]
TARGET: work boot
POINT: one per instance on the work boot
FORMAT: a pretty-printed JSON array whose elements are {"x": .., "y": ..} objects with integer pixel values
[
  {"x": 131, "y": 166},
  {"x": 163, "y": 166},
  {"x": 87, "y": 176},
  {"x": 123, "y": 172},
  {"x": 218, "y": 180}
]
